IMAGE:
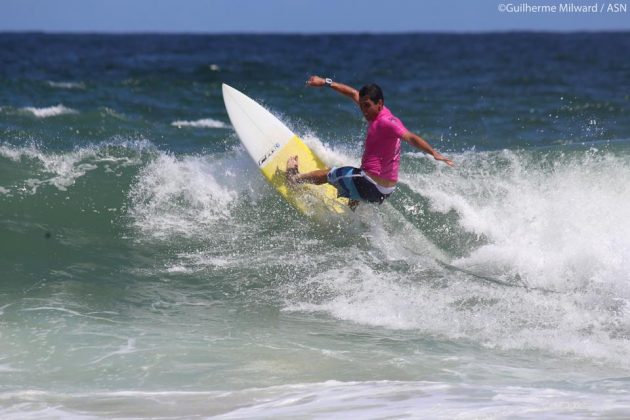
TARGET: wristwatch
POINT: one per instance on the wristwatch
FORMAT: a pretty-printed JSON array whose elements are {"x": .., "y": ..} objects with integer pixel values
[{"x": 328, "y": 81}]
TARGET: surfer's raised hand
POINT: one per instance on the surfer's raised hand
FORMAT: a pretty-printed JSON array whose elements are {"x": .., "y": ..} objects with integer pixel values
[
  {"x": 316, "y": 81},
  {"x": 350, "y": 92}
]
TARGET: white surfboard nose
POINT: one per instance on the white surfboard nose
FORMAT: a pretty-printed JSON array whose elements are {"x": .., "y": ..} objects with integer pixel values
[
  {"x": 261, "y": 132},
  {"x": 227, "y": 89}
]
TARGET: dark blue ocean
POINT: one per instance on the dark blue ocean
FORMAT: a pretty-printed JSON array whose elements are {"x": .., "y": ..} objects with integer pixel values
[{"x": 148, "y": 271}]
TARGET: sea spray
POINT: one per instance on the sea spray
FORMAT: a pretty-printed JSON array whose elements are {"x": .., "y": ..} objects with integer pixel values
[{"x": 555, "y": 218}]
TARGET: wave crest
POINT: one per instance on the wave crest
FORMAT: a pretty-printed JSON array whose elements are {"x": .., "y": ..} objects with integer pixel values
[
  {"x": 202, "y": 123},
  {"x": 51, "y": 111}
]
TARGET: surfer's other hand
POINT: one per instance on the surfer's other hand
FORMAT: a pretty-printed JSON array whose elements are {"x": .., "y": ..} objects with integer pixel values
[{"x": 441, "y": 158}]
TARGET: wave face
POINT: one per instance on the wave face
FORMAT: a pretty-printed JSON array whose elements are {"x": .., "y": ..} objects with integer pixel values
[{"x": 148, "y": 270}]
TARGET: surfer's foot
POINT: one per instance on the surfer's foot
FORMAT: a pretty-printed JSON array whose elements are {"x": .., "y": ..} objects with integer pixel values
[
  {"x": 292, "y": 170},
  {"x": 353, "y": 204}
]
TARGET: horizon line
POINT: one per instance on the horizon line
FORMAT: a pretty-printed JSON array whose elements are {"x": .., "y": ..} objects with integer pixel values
[{"x": 331, "y": 33}]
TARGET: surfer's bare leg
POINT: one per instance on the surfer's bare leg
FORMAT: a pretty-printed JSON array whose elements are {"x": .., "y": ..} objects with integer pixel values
[{"x": 317, "y": 177}]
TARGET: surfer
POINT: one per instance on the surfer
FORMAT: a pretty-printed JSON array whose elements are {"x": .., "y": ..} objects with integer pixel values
[{"x": 376, "y": 179}]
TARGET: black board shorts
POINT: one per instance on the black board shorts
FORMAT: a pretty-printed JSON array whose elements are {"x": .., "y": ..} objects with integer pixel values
[{"x": 353, "y": 183}]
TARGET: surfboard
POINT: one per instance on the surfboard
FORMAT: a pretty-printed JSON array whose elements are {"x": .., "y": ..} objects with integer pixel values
[{"x": 270, "y": 144}]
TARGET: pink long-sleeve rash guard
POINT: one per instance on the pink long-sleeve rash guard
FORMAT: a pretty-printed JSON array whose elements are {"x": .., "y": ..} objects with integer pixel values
[{"x": 381, "y": 156}]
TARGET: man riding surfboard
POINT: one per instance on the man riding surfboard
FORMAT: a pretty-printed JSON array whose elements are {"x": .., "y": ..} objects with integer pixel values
[{"x": 376, "y": 179}]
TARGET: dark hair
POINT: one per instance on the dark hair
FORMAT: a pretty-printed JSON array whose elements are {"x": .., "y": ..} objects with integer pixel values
[{"x": 372, "y": 91}]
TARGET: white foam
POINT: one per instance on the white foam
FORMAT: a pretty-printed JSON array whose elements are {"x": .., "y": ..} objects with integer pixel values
[
  {"x": 62, "y": 169},
  {"x": 393, "y": 399},
  {"x": 181, "y": 196},
  {"x": 368, "y": 399},
  {"x": 202, "y": 123},
  {"x": 505, "y": 318},
  {"x": 15, "y": 153},
  {"x": 67, "y": 85},
  {"x": 560, "y": 225},
  {"x": 51, "y": 111},
  {"x": 65, "y": 167}
]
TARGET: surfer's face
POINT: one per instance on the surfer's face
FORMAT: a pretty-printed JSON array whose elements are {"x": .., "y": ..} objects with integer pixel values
[{"x": 370, "y": 109}]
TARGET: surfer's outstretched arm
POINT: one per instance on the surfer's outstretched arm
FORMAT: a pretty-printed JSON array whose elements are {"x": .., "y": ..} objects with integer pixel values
[
  {"x": 420, "y": 143},
  {"x": 349, "y": 91}
]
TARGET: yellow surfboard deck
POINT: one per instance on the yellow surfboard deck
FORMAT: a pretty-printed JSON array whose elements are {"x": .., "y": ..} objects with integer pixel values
[{"x": 311, "y": 200}]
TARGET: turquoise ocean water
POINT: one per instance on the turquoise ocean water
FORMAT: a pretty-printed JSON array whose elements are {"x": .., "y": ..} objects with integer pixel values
[{"x": 147, "y": 269}]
